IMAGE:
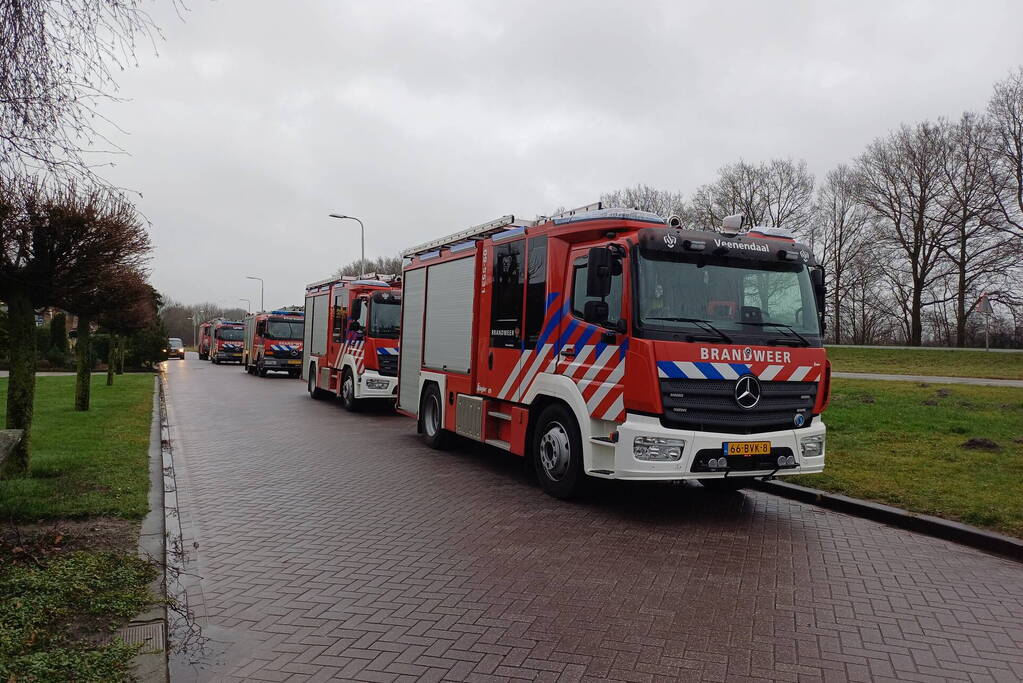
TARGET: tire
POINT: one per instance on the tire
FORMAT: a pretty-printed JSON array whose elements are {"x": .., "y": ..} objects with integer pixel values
[
  {"x": 726, "y": 485},
  {"x": 348, "y": 399},
  {"x": 431, "y": 418},
  {"x": 260, "y": 370},
  {"x": 315, "y": 392},
  {"x": 557, "y": 453}
]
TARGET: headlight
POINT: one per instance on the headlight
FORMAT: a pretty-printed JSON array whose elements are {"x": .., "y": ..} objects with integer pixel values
[
  {"x": 812, "y": 446},
  {"x": 657, "y": 449},
  {"x": 377, "y": 384}
]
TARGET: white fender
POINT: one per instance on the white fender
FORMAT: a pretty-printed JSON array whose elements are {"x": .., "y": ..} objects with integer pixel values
[{"x": 565, "y": 389}]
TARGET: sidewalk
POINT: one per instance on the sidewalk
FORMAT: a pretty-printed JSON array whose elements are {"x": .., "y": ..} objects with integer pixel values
[{"x": 930, "y": 379}]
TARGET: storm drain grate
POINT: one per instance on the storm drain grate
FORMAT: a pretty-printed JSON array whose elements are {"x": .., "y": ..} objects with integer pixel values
[{"x": 151, "y": 636}]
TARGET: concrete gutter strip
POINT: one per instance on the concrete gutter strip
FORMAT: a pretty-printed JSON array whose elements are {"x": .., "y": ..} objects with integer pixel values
[
  {"x": 149, "y": 629},
  {"x": 928, "y": 379},
  {"x": 897, "y": 517}
]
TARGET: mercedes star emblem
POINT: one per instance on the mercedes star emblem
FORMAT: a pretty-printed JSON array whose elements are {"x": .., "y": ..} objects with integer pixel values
[{"x": 747, "y": 392}]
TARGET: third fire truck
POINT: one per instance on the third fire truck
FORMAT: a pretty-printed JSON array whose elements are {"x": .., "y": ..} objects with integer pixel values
[
  {"x": 351, "y": 339},
  {"x": 613, "y": 343},
  {"x": 226, "y": 341},
  {"x": 273, "y": 342}
]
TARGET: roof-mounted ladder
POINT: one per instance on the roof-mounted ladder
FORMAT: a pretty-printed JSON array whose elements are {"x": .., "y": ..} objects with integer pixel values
[{"x": 474, "y": 233}]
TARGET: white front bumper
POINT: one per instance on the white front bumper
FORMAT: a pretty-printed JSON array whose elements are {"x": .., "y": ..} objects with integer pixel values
[
  {"x": 626, "y": 466},
  {"x": 362, "y": 389}
]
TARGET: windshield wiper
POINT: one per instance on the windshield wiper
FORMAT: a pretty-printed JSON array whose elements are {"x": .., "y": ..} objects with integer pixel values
[
  {"x": 699, "y": 321},
  {"x": 806, "y": 342}
]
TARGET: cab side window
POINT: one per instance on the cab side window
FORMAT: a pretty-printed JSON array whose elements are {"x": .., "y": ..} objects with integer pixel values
[{"x": 579, "y": 298}]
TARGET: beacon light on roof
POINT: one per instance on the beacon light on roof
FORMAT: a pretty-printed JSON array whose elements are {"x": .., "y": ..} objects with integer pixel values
[{"x": 694, "y": 245}]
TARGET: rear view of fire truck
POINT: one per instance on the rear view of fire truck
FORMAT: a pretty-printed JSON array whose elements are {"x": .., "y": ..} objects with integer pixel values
[
  {"x": 273, "y": 342},
  {"x": 612, "y": 343},
  {"x": 204, "y": 341},
  {"x": 351, "y": 339},
  {"x": 226, "y": 338}
]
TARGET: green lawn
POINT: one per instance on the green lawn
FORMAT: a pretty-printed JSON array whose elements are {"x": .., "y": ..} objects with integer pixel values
[
  {"x": 928, "y": 362},
  {"x": 903, "y": 444},
  {"x": 84, "y": 464}
]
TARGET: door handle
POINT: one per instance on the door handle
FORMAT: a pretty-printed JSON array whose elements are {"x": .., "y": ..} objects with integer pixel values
[
  {"x": 568, "y": 351},
  {"x": 490, "y": 361}
]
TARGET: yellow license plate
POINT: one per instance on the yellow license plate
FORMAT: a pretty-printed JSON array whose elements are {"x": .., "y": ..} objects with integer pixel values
[
  {"x": 294, "y": 362},
  {"x": 747, "y": 448}
]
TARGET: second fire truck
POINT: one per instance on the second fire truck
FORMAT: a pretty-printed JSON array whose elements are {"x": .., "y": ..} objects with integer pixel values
[
  {"x": 612, "y": 343},
  {"x": 351, "y": 339},
  {"x": 273, "y": 343}
]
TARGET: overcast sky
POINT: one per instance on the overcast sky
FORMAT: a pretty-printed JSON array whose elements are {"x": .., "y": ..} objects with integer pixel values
[{"x": 256, "y": 119}]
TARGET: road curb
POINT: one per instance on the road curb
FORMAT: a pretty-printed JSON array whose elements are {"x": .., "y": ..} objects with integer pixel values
[
  {"x": 149, "y": 629},
  {"x": 897, "y": 517}
]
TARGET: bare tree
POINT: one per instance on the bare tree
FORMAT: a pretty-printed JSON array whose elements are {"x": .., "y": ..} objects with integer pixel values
[
  {"x": 899, "y": 180},
  {"x": 843, "y": 233},
  {"x": 382, "y": 265},
  {"x": 778, "y": 193},
  {"x": 55, "y": 248},
  {"x": 645, "y": 198},
  {"x": 57, "y": 62},
  {"x": 977, "y": 252},
  {"x": 1005, "y": 111}
]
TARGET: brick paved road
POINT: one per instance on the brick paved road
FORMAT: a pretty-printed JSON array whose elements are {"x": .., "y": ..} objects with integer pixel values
[{"x": 334, "y": 546}]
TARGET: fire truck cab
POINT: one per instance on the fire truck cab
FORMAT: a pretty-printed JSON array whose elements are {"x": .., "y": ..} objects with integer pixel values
[
  {"x": 615, "y": 344},
  {"x": 204, "y": 341},
  {"x": 351, "y": 338},
  {"x": 273, "y": 342},
  {"x": 226, "y": 341}
]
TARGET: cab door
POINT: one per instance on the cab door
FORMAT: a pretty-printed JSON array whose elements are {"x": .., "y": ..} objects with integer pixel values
[
  {"x": 500, "y": 354},
  {"x": 592, "y": 353}
]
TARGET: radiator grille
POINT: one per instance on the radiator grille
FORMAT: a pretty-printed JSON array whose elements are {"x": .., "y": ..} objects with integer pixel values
[{"x": 709, "y": 405}]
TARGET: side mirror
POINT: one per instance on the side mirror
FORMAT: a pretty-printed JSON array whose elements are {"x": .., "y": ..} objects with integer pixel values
[
  {"x": 596, "y": 312},
  {"x": 356, "y": 311},
  {"x": 820, "y": 291},
  {"x": 599, "y": 266}
]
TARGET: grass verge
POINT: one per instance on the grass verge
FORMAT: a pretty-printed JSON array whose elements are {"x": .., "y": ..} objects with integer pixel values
[
  {"x": 952, "y": 451},
  {"x": 940, "y": 363},
  {"x": 56, "y": 616},
  {"x": 65, "y": 586},
  {"x": 84, "y": 464}
]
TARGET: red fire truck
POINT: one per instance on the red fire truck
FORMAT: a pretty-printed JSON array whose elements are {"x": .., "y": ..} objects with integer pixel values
[
  {"x": 351, "y": 338},
  {"x": 226, "y": 338},
  {"x": 273, "y": 342},
  {"x": 615, "y": 344},
  {"x": 204, "y": 341}
]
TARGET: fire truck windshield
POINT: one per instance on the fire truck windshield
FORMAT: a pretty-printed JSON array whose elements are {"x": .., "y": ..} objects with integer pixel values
[
  {"x": 385, "y": 318},
  {"x": 230, "y": 333},
  {"x": 284, "y": 329},
  {"x": 725, "y": 299}
]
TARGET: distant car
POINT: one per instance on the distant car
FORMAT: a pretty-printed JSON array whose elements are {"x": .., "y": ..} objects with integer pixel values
[{"x": 175, "y": 348}]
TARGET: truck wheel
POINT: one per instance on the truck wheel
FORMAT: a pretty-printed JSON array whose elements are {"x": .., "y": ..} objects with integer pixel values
[
  {"x": 260, "y": 370},
  {"x": 430, "y": 418},
  {"x": 314, "y": 391},
  {"x": 558, "y": 453},
  {"x": 348, "y": 399},
  {"x": 727, "y": 484}
]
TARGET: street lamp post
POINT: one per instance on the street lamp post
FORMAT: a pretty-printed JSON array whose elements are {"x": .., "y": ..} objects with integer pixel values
[
  {"x": 362, "y": 230},
  {"x": 193, "y": 329},
  {"x": 248, "y": 305},
  {"x": 250, "y": 277}
]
